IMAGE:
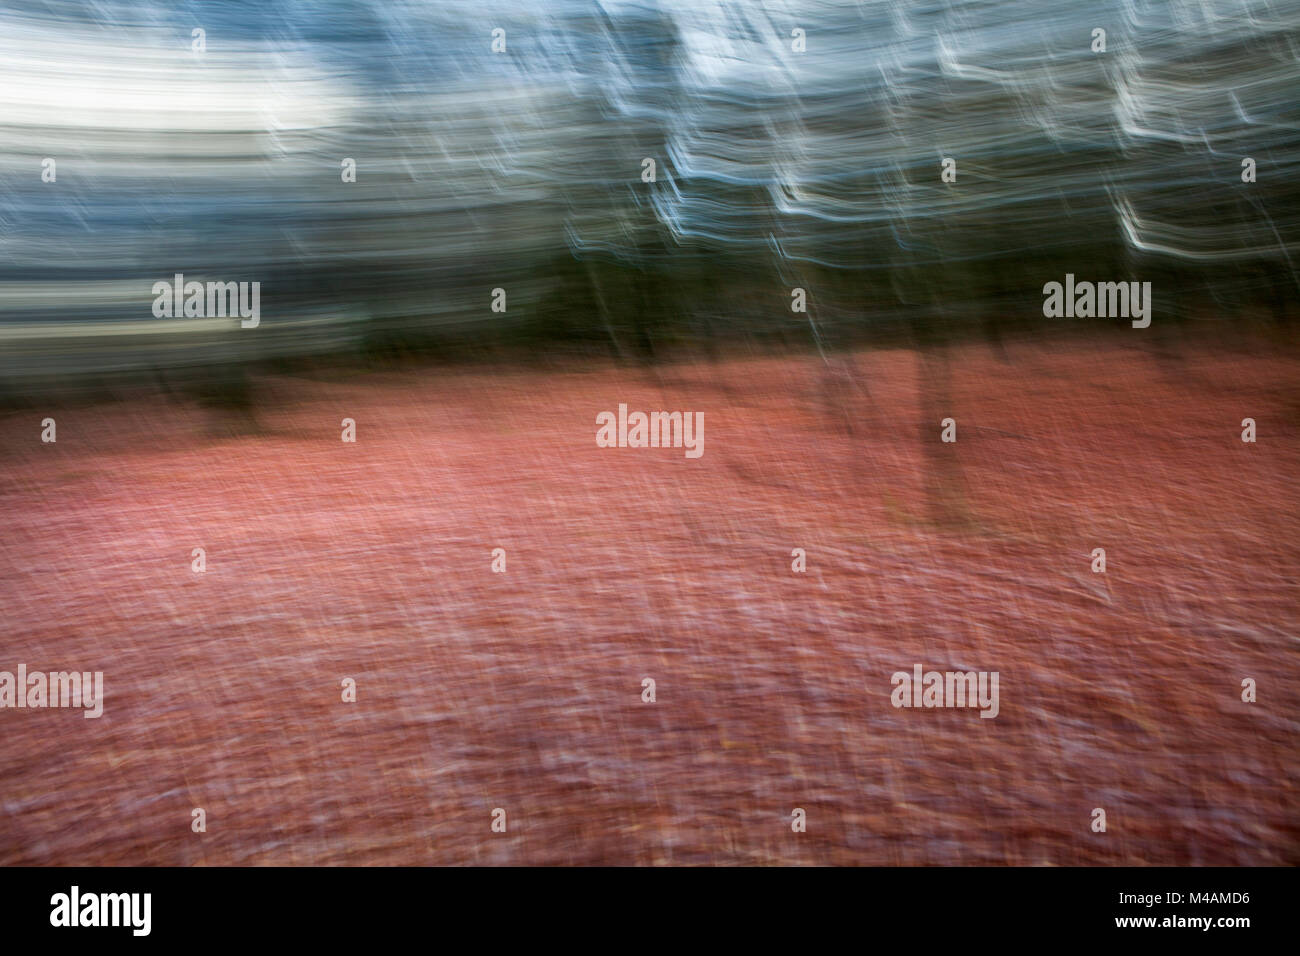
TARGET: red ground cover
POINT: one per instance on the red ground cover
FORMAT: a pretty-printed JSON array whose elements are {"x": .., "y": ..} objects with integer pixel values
[{"x": 522, "y": 690}]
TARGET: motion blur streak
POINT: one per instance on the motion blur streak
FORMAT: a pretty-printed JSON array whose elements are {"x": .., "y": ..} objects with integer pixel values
[
  {"x": 521, "y": 169},
  {"x": 522, "y": 690},
  {"x": 776, "y": 171}
]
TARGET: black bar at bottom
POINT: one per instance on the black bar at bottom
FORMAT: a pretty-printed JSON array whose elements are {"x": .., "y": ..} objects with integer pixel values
[{"x": 649, "y": 907}]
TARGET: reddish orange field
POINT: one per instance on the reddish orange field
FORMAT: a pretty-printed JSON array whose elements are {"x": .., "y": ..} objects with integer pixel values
[{"x": 522, "y": 690}]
